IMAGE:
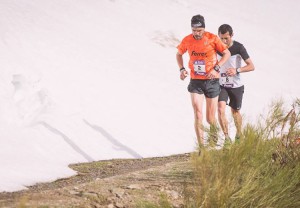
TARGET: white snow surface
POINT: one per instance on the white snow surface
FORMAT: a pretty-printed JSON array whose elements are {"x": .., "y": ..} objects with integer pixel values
[{"x": 88, "y": 80}]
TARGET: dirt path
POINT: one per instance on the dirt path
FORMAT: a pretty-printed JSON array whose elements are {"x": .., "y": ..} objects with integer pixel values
[{"x": 112, "y": 183}]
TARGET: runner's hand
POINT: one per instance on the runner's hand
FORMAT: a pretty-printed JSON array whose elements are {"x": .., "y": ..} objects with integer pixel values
[
  {"x": 212, "y": 74},
  {"x": 183, "y": 74},
  {"x": 231, "y": 72}
]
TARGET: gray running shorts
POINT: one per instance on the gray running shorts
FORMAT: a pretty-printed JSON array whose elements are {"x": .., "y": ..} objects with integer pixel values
[
  {"x": 235, "y": 96},
  {"x": 209, "y": 87}
]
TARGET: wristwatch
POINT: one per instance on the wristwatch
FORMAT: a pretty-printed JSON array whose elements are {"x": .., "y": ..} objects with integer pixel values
[
  {"x": 181, "y": 69},
  {"x": 238, "y": 70},
  {"x": 217, "y": 68}
]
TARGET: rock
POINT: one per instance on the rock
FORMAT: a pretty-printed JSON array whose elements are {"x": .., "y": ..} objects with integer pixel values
[
  {"x": 134, "y": 186},
  {"x": 74, "y": 193},
  {"x": 118, "y": 192},
  {"x": 110, "y": 206},
  {"x": 119, "y": 205},
  {"x": 90, "y": 194},
  {"x": 173, "y": 194}
]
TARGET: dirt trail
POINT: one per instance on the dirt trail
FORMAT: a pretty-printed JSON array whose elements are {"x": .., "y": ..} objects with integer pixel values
[{"x": 112, "y": 183}]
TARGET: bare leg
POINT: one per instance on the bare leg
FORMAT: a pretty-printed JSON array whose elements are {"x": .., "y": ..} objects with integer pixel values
[
  {"x": 197, "y": 102},
  {"x": 211, "y": 108},
  {"x": 237, "y": 117},
  {"x": 222, "y": 118}
]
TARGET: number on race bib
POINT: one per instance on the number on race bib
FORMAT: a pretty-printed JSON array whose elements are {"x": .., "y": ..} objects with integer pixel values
[
  {"x": 226, "y": 81},
  {"x": 199, "y": 67}
]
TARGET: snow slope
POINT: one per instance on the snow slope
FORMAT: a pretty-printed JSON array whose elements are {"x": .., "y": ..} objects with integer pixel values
[{"x": 89, "y": 80}]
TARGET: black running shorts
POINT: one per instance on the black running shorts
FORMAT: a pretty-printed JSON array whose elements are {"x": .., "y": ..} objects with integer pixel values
[
  {"x": 209, "y": 87},
  {"x": 235, "y": 96}
]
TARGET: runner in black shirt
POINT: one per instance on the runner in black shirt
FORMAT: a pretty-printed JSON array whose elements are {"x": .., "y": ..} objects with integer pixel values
[{"x": 232, "y": 87}]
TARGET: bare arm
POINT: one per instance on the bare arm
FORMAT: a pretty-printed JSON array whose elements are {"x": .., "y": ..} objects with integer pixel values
[
  {"x": 183, "y": 72},
  {"x": 179, "y": 60},
  {"x": 248, "y": 67},
  {"x": 225, "y": 57},
  {"x": 213, "y": 73}
]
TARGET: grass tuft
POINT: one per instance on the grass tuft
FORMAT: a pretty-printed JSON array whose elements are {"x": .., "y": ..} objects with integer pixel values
[
  {"x": 163, "y": 202},
  {"x": 262, "y": 170}
]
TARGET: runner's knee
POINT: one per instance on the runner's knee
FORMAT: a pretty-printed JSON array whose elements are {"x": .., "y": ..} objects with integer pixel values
[
  {"x": 235, "y": 112},
  {"x": 211, "y": 120}
]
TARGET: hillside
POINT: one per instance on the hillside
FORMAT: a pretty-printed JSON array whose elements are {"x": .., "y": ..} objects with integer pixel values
[
  {"x": 91, "y": 80},
  {"x": 111, "y": 183}
]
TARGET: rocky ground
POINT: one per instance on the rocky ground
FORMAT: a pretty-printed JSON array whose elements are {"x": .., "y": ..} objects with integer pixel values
[{"x": 114, "y": 183}]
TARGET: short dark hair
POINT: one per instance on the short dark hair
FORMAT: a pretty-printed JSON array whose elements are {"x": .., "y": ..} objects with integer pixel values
[
  {"x": 225, "y": 28},
  {"x": 198, "y": 21}
]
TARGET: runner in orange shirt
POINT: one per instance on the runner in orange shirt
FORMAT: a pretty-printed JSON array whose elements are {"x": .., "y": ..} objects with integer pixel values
[{"x": 204, "y": 67}]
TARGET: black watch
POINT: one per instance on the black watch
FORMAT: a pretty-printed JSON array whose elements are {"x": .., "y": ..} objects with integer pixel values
[
  {"x": 217, "y": 68},
  {"x": 181, "y": 69}
]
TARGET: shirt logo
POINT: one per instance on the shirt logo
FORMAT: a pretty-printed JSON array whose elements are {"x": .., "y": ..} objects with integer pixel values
[{"x": 194, "y": 53}]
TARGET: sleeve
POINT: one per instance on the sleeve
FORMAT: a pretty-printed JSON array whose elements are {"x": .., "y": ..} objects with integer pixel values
[
  {"x": 182, "y": 47},
  {"x": 244, "y": 53},
  {"x": 220, "y": 46}
]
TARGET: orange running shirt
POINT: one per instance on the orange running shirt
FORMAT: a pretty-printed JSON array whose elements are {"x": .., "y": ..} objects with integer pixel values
[{"x": 203, "y": 53}]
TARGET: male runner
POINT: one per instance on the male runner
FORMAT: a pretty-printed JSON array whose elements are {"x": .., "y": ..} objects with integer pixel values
[
  {"x": 230, "y": 81},
  {"x": 204, "y": 71}
]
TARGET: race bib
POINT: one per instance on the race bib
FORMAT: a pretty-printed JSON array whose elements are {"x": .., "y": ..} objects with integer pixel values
[
  {"x": 226, "y": 81},
  {"x": 199, "y": 67}
]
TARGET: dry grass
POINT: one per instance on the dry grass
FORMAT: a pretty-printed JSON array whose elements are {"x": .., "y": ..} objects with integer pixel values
[{"x": 263, "y": 170}]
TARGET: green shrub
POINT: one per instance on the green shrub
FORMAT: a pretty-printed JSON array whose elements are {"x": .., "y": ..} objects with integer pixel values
[
  {"x": 162, "y": 203},
  {"x": 263, "y": 170}
]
